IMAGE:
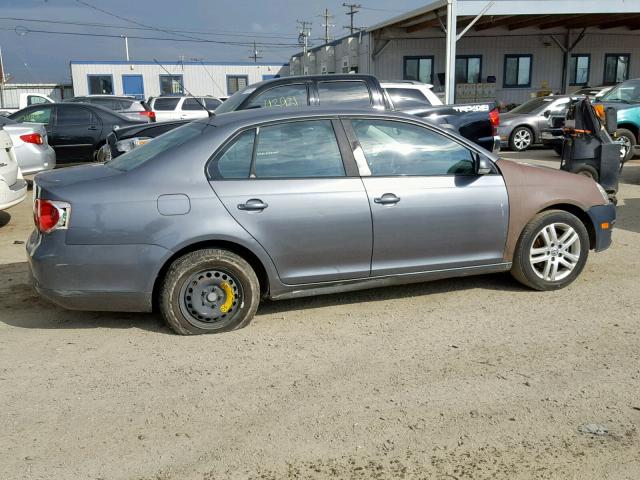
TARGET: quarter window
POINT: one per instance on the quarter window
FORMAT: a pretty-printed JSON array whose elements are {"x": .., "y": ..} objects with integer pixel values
[
  {"x": 395, "y": 149},
  {"x": 517, "y": 71},
  {"x": 616, "y": 68},
  {"x": 468, "y": 69},
  {"x": 347, "y": 93},
  {"x": 419, "y": 69},
  {"x": 235, "y": 160},
  {"x": 236, "y": 82},
  {"x": 100, "y": 84},
  {"x": 282, "y": 96},
  {"x": 579, "y": 69},
  {"x": 171, "y": 85}
]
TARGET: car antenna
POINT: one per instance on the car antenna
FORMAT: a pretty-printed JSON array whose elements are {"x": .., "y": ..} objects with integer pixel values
[{"x": 209, "y": 112}]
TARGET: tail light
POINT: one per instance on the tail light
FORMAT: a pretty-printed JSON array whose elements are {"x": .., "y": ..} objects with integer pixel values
[
  {"x": 50, "y": 215},
  {"x": 32, "y": 138},
  {"x": 494, "y": 118},
  {"x": 150, "y": 114}
]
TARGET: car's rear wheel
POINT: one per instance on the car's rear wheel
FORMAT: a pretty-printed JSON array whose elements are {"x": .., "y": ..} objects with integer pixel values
[
  {"x": 552, "y": 251},
  {"x": 209, "y": 291},
  {"x": 521, "y": 139}
]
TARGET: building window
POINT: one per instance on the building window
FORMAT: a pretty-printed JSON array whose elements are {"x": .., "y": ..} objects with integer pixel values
[
  {"x": 171, "y": 85},
  {"x": 468, "y": 68},
  {"x": 517, "y": 71},
  {"x": 616, "y": 68},
  {"x": 100, "y": 84},
  {"x": 579, "y": 69},
  {"x": 236, "y": 82},
  {"x": 419, "y": 69}
]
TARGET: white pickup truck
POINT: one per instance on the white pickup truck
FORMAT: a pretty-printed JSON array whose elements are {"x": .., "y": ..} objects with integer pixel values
[{"x": 26, "y": 99}]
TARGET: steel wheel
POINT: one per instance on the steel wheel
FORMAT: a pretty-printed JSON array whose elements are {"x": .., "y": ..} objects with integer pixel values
[
  {"x": 522, "y": 138},
  {"x": 210, "y": 299},
  {"x": 555, "y": 252}
]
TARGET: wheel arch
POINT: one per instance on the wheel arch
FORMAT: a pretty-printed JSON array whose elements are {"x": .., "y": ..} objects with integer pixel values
[
  {"x": 582, "y": 216},
  {"x": 631, "y": 127},
  {"x": 241, "y": 250}
]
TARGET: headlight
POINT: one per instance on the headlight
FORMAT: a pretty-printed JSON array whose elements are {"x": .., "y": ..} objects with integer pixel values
[
  {"x": 603, "y": 192},
  {"x": 131, "y": 143}
]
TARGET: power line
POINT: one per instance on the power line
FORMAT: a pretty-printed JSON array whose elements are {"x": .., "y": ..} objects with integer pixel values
[{"x": 353, "y": 9}]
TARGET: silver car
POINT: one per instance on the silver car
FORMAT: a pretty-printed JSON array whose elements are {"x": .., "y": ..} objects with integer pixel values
[
  {"x": 522, "y": 127},
  {"x": 207, "y": 219},
  {"x": 130, "y": 107},
  {"x": 31, "y": 146}
]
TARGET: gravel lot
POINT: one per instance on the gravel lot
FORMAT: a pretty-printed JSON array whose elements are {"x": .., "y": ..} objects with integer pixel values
[{"x": 468, "y": 378}]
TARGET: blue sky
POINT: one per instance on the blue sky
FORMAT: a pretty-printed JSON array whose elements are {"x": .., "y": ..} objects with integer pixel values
[{"x": 38, "y": 57}]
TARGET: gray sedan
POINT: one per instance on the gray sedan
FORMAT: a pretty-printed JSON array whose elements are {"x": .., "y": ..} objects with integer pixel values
[
  {"x": 31, "y": 146},
  {"x": 522, "y": 127},
  {"x": 207, "y": 219}
]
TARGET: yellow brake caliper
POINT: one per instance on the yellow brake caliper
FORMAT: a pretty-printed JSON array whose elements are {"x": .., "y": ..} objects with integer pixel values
[{"x": 226, "y": 306}]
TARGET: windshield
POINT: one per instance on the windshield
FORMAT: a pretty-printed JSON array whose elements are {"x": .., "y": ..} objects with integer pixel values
[
  {"x": 533, "y": 105},
  {"x": 232, "y": 103},
  {"x": 172, "y": 139},
  {"x": 625, "y": 92}
]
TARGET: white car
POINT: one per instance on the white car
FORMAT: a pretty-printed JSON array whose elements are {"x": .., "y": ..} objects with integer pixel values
[
  {"x": 408, "y": 94},
  {"x": 26, "y": 100},
  {"x": 13, "y": 188},
  {"x": 182, "y": 108}
]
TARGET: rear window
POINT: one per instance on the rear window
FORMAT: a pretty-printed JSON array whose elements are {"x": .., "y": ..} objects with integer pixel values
[
  {"x": 162, "y": 144},
  {"x": 165, "y": 103}
]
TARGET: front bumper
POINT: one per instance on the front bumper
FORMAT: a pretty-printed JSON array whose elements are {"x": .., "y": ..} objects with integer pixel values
[
  {"x": 603, "y": 218},
  {"x": 552, "y": 137},
  {"x": 14, "y": 194}
]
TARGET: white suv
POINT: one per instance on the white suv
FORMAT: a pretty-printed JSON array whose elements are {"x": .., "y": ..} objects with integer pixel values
[
  {"x": 408, "y": 94},
  {"x": 182, "y": 108}
]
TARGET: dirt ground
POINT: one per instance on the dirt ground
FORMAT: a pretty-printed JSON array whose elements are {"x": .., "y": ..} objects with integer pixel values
[{"x": 474, "y": 378}]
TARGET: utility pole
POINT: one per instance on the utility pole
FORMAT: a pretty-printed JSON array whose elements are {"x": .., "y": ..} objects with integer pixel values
[
  {"x": 254, "y": 53},
  {"x": 304, "y": 30},
  {"x": 326, "y": 16},
  {"x": 353, "y": 9},
  {"x": 126, "y": 46},
  {"x": 1, "y": 80}
]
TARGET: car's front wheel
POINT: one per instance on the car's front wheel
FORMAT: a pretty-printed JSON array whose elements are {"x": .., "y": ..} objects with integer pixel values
[
  {"x": 209, "y": 291},
  {"x": 521, "y": 139},
  {"x": 552, "y": 251}
]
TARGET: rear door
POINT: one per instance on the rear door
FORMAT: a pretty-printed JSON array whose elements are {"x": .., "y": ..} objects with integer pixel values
[
  {"x": 430, "y": 210},
  {"x": 76, "y": 132},
  {"x": 288, "y": 185}
]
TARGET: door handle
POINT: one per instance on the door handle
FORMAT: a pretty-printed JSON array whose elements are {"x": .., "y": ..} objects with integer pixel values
[
  {"x": 387, "y": 199},
  {"x": 253, "y": 205},
  {"x": 92, "y": 127}
]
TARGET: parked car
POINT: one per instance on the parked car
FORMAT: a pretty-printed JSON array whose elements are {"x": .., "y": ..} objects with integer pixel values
[
  {"x": 125, "y": 139},
  {"x": 208, "y": 218},
  {"x": 182, "y": 108},
  {"x": 13, "y": 187},
  {"x": 31, "y": 146},
  {"x": 76, "y": 131},
  {"x": 407, "y": 94},
  {"x": 475, "y": 121},
  {"x": 130, "y": 107},
  {"x": 522, "y": 127},
  {"x": 26, "y": 99}
]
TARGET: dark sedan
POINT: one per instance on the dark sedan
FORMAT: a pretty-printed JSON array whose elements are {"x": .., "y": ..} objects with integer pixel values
[{"x": 75, "y": 131}]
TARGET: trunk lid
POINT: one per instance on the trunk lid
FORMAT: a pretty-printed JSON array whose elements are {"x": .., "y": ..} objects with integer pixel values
[{"x": 8, "y": 163}]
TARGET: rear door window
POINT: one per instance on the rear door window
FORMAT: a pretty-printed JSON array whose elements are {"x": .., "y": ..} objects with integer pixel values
[
  {"x": 74, "y": 115},
  {"x": 283, "y": 96},
  {"x": 192, "y": 104},
  {"x": 165, "y": 104},
  {"x": 348, "y": 93}
]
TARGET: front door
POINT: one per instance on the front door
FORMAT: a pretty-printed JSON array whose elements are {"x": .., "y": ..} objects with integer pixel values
[
  {"x": 292, "y": 194},
  {"x": 430, "y": 210},
  {"x": 133, "y": 85},
  {"x": 76, "y": 132}
]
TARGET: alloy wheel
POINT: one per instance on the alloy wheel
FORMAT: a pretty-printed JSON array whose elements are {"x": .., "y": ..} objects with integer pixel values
[
  {"x": 522, "y": 139},
  {"x": 555, "y": 252}
]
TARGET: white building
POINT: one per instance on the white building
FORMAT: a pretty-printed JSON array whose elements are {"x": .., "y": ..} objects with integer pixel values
[
  {"x": 509, "y": 50},
  {"x": 10, "y": 92},
  {"x": 148, "y": 79}
]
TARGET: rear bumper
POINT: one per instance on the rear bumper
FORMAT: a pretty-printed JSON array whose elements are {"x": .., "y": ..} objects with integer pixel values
[
  {"x": 34, "y": 158},
  {"x": 603, "y": 216},
  {"x": 14, "y": 194}
]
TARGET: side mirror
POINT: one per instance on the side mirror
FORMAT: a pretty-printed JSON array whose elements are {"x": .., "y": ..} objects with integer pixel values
[
  {"x": 547, "y": 113},
  {"x": 483, "y": 165},
  {"x": 611, "y": 120}
]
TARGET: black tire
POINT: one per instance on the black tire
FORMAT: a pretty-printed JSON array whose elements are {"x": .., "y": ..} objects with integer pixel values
[
  {"x": 522, "y": 269},
  {"x": 630, "y": 140},
  {"x": 172, "y": 294},
  {"x": 557, "y": 149},
  {"x": 515, "y": 145},
  {"x": 588, "y": 171}
]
